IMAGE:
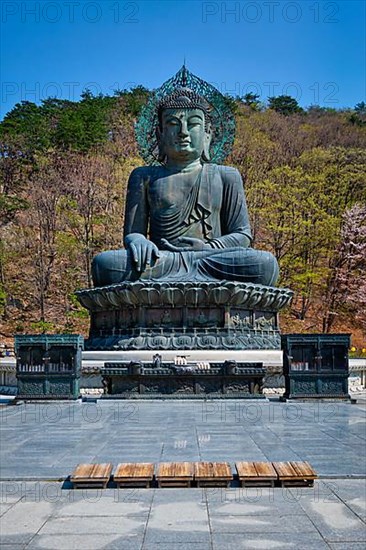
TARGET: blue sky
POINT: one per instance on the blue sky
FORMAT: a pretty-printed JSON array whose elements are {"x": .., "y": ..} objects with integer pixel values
[{"x": 313, "y": 50}]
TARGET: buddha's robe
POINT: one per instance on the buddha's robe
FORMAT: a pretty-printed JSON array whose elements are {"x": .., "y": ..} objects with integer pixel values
[{"x": 211, "y": 207}]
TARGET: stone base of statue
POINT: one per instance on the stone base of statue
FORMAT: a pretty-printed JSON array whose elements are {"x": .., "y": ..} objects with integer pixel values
[
  {"x": 158, "y": 318},
  {"x": 184, "y": 316}
]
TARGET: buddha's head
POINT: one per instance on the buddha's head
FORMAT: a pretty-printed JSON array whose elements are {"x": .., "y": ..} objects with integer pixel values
[{"x": 184, "y": 130}]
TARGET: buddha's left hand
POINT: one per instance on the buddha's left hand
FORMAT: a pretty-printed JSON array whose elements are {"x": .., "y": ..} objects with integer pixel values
[{"x": 186, "y": 244}]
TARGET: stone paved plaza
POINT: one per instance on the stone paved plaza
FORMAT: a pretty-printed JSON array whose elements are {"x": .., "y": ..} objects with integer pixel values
[{"x": 42, "y": 443}]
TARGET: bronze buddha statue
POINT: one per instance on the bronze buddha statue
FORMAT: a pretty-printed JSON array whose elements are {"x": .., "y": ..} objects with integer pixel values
[{"x": 186, "y": 218}]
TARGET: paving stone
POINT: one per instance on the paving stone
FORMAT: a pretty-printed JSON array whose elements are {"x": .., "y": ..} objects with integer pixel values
[
  {"x": 334, "y": 520},
  {"x": 104, "y": 506},
  {"x": 182, "y": 515},
  {"x": 260, "y": 524},
  {"x": 177, "y": 546},
  {"x": 352, "y": 492},
  {"x": 98, "y": 525},
  {"x": 86, "y": 542},
  {"x": 347, "y": 545},
  {"x": 23, "y": 520},
  {"x": 4, "y": 508},
  {"x": 259, "y": 500},
  {"x": 275, "y": 541},
  {"x": 182, "y": 539}
]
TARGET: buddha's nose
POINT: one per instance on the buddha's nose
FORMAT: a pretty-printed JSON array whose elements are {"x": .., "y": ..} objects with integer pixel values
[{"x": 183, "y": 129}]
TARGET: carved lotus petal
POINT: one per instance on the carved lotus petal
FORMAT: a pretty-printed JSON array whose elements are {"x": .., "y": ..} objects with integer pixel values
[
  {"x": 239, "y": 296},
  {"x": 173, "y": 296},
  {"x": 135, "y": 288},
  {"x": 149, "y": 296},
  {"x": 219, "y": 295},
  {"x": 86, "y": 300},
  {"x": 268, "y": 298},
  {"x": 254, "y": 298},
  {"x": 101, "y": 298},
  {"x": 126, "y": 296},
  {"x": 114, "y": 298},
  {"x": 196, "y": 296}
]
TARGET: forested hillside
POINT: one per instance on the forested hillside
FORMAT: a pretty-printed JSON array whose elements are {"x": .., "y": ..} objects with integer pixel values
[{"x": 64, "y": 170}]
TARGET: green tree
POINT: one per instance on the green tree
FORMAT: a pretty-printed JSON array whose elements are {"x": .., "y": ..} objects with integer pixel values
[
  {"x": 84, "y": 125},
  {"x": 284, "y": 104},
  {"x": 133, "y": 100},
  {"x": 358, "y": 117},
  {"x": 251, "y": 100}
]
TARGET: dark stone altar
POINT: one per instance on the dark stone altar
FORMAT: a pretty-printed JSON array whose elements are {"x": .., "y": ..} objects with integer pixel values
[
  {"x": 163, "y": 378},
  {"x": 48, "y": 366}
]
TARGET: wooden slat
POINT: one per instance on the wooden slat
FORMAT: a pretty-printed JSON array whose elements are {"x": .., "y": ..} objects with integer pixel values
[
  {"x": 183, "y": 470},
  {"x": 165, "y": 469},
  {"x": 284, "y": 470},
  {"x": 125, "y": 470},
  {"x": 291, "y": 474},
  {"x": 304, "y": 470},
  {"x": 91, "y": 475},
  {"x": 92, "y": 471},
  {"x": 134, "y": 474},
  {"x": 265, "y": 470},
  {"x": 246, "y": 470},
  {"x": 82, "y": 471},
  {"x": 175, "y": 474},
  {"x": 256, "y": 474},
  {"x": 141, "y": 470},
  {"x": 145, "y": 470},
  {"x": 102, "y": 471},
  {"x": 212, "y": 474},
  {"x": 175, "y": 470},
  {"x": 221, "y": 470},
  {"x": 203, "y": 470}
]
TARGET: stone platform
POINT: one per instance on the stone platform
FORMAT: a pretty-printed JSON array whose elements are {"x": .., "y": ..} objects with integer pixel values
[
  {"x": 184, "y": 316},
  {"x": 42, "y": 443}
]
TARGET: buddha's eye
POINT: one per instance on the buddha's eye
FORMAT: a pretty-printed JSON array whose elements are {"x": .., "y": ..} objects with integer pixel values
[{"x": 194, "y": 121}]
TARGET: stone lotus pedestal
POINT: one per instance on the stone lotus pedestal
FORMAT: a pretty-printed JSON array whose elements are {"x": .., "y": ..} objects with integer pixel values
[
  {"x": 159, "y": 318},
  {"x": 184, "y": 316}
]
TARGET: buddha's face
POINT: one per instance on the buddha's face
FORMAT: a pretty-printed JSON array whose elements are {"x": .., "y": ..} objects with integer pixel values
[{"x": 183, "y": 134}]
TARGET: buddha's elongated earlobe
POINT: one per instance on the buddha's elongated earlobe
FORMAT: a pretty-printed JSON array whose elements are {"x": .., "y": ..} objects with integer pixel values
[
  {"x": 206, "y": 146},
  {"x": 161, "y": 155}
]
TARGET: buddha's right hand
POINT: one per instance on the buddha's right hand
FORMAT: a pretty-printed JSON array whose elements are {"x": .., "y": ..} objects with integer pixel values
[{"x": 143, "y": 251}]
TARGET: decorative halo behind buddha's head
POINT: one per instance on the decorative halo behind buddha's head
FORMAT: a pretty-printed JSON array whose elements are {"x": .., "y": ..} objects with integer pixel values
[{"x": 186, "y": 90}]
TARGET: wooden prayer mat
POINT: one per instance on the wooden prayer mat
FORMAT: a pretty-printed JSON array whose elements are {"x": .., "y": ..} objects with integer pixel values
[
  {"x": 295, "y": 474},
  {"x": 175, "y": 474},
  {"x": 256, "y": 474},
  {"x": 91, "y": 476},
  {"x": 212, "y": 474},
  {"x": 134, "y": 475}
]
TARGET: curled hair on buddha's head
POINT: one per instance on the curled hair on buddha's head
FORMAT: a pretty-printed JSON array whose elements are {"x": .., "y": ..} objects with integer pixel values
[{"x": 184, "y": 98}]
